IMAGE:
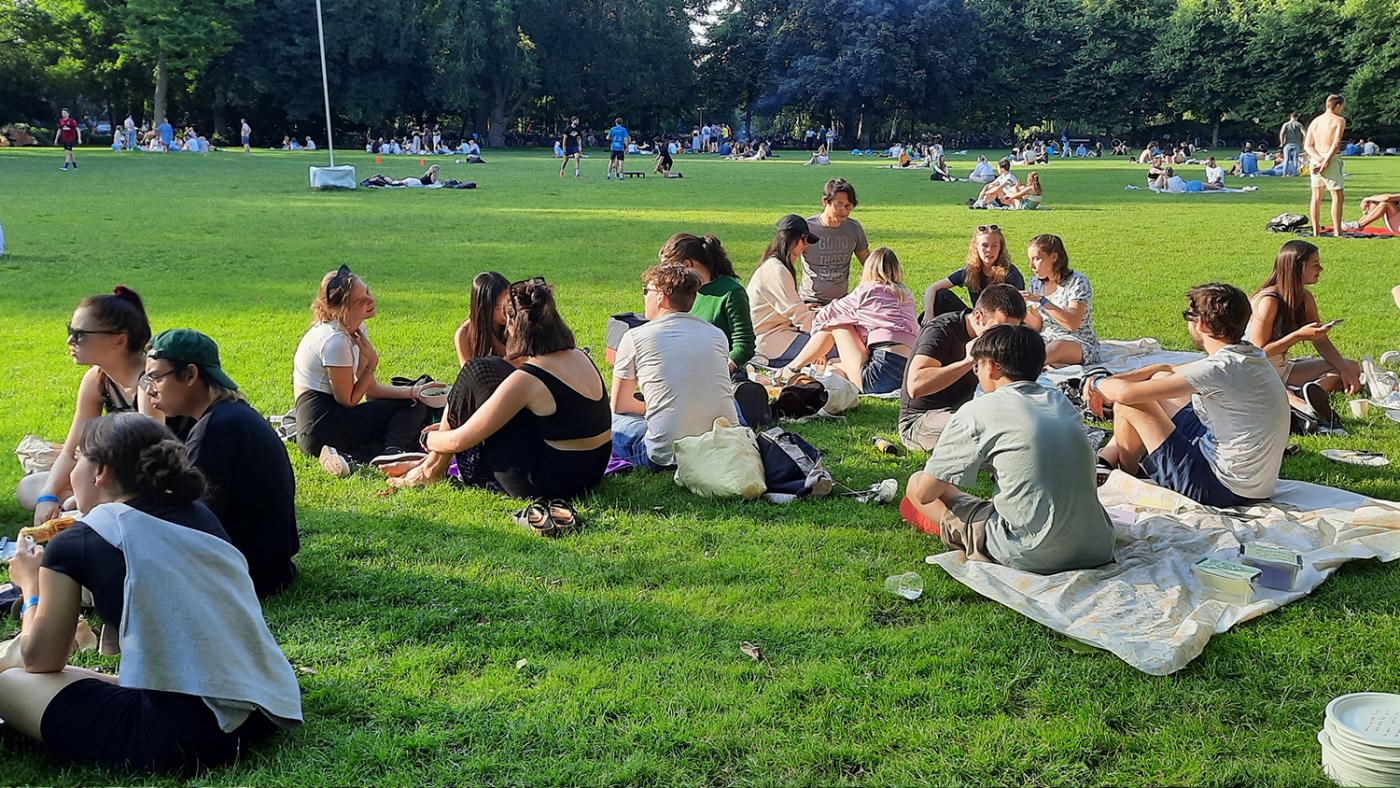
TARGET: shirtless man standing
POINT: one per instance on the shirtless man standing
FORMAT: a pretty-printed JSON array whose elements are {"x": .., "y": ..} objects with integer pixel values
[{"x": 1323, "y": 145}]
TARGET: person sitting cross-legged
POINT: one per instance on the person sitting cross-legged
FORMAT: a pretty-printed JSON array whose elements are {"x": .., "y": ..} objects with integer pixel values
[
  {"x": 1213, "y": 430},
  {"x": 678, "y": 362},
  {"x": 995, "y": 193},
  {"x": 1044, "y": 515},
  {"x": 940, "y": 379}
]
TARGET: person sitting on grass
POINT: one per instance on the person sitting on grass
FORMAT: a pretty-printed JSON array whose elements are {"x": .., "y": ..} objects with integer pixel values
[
  {"x": 1213, "y": 430},
  {"x": 1062, "y": 304},
  {"x": 872, "y": 328},
  {"x": 251, "y": 487},
  {"x": 343, "y": 413},
  {"x": 201, "y": 677},
  {"x": 1215, "y": 175},
  {"x": 108, "y": 335},
  {"x": 826, "y": 265},
  {"x": 819, "y": 157},
  {"x": 722, "y": 300},
  {"x": 982, "y": 172},
  {"x": 938, "y": 169},
  {"x": 994, "y": 193},
  {"x": 1284, "y": 314},
  {"x": 1384, "y": 208},
  {"x": 483, "y": 333},
  {"x": 543, "y": 428},
  {"x": 782, "y": 321},
  {"x": 988, "y": 262},
  {"x": 1044, "y": 515},
  {"x": 678, "y": 363},
  {"x": 1027, "y": 196},
  {"x": 940, "y": 378}
]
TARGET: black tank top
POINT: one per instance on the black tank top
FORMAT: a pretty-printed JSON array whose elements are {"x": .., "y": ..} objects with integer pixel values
[
  {"x": 575, "y": 416},
  {"x": 113, "y": 398}
]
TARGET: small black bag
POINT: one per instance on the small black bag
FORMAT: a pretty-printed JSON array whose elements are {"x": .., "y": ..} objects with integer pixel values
[
  {"x": 791, "y": 465},
  {"x": 803, "y": 396},
  {"x": 752, "y": 401},
  {"x": 1286, "y": 223}
]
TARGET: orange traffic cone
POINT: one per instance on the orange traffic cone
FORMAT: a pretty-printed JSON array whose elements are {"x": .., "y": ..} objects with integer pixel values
[
  {"x": 422, "y": 162},
  {"x": 378, "y": 159}
]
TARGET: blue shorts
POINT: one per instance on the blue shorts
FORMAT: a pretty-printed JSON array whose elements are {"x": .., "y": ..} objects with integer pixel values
[
  {"x": 1179, "y": 465},
  {"x": 245, "y": 139},
  {"x": 883, "y": 372}
]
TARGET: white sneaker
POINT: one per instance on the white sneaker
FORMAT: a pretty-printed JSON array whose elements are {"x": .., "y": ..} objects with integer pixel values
[
  {"x": 333, "y": 463},
  {"x": 1350, "y": 225}
]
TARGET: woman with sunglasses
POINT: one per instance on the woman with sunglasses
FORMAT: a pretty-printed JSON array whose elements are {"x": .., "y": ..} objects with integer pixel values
[
  {"x": 988, "y": 263},
  {"x": 546, "y": 428},
  {"x": 342, "y": 410},
  {"x": 107, "y": 334}
]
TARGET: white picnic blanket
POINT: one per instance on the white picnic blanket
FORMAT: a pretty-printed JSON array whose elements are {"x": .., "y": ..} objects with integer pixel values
[{"x": 1147, "y": 607}]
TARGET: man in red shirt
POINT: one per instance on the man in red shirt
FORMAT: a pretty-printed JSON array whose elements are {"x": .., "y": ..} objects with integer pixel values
[{"x": 68, "y": 135}]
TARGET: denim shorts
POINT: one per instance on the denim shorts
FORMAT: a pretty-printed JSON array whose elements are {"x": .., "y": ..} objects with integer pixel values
[
  {"x": 1179, "y": 465},
  {"x": 883, "y": 372}
]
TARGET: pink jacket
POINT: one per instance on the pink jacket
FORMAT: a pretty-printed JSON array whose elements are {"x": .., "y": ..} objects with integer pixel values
[{"x": 880, "y": 313}]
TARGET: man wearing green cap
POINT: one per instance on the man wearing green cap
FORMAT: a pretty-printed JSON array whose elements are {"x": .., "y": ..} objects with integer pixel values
[{"x": 251, "y": 486}]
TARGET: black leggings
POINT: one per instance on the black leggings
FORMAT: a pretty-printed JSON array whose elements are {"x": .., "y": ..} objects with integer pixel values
[
  {"x": 942, "y": 302},
  {"x": 371, "y": 428},
  {"x": 515, "y": 456}
]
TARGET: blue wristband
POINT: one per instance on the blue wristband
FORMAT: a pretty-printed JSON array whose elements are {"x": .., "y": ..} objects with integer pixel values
[
  {"x": 47, "y": 498},
  {"x": 32, "y": 601}
]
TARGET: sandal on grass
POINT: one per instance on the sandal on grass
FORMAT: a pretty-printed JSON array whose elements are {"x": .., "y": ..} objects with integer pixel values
[
  {"x": 564, "y": 516},
  {"x": 535, "y": 518}
]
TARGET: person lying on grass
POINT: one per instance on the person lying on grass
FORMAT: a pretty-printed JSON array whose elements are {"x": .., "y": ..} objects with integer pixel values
[
  {"x": 201, "y": 677},
  {"x": 940, "y": 378},
  {"x": 1284, "y": 314},
  {"x": 1213, "y": 430},
  {"x": 988, "y": 262},
  {"x": 1384, "y": 208},
  {"x": 1062, "y": 304},
  {"x": 108, "y": 335},
  {"x": 1044, "y": 515},
  {"x": 429, "y": 177},
  {"x": 544, "y": 428},
  {"x": 872, "y": 328},
  {"x": 722, "y": 300},
  {"x": 678, "y": 363},
  {"x": 251, "y": 486}
]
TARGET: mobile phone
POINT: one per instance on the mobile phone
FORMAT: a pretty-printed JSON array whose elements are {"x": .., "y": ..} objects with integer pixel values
[
  {"x": 1331, "y": 323},
  {"x": 7, "y": 548}
]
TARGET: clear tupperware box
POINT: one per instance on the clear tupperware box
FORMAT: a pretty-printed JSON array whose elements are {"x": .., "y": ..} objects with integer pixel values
[
  {"x": 1278, "y": 566},
  {"x": 1226, "y": 580}
]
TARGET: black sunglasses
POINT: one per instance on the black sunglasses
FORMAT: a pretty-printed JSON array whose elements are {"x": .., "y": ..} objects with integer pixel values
[
  {"x": 341, "y": 279},
  {"x": 79, "y": 335},
  {"x": 1187, "y": 314},
  {"x": 988, "y": 228}
]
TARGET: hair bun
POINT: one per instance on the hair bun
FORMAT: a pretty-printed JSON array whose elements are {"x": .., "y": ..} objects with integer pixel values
[{"x": 165, "y": 467}]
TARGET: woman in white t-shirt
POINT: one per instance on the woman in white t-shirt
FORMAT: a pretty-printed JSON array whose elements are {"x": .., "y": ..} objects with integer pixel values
[{"x": 341, "y": 409}]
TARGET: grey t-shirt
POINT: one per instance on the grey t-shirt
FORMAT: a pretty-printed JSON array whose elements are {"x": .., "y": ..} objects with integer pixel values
[
  {"x": 1048, "y": 517},
  {"x": 1241, "y": 402},
  {"x": 681, "y": 365},
  {"x": 826, "y": 266},
  {"x": 1292, "y": 132}
]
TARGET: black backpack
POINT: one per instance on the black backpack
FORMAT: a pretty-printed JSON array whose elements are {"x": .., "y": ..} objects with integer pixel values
[
  {"x": 1286, "y": 223},
  {"x": 803, "y": 396}
]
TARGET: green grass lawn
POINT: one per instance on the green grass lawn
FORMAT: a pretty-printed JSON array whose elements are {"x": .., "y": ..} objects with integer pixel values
[{"x": 437, "y": 643}]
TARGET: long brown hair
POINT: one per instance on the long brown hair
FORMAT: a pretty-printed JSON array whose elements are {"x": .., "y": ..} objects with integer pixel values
[
  {"x": 781, "y": 248},
  {"x": 535, "y": 326},
  {"x": 975, "y": 277},
  {"x": 482, "y": 332},
  {"x": 1052, "y": 244},
  {"x": 708, "y": 251},
  {"x": 1286, "y": 282}
]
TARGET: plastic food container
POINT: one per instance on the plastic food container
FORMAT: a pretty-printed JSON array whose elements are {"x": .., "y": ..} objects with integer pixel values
[
  {"x": 434, "y": 394},
  {"x": 1226, "y": 580},
  {"x": 1278, "y": 566}
]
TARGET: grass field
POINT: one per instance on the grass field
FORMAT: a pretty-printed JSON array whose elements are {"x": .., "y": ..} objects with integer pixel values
[{"x": 439, "y": 644}]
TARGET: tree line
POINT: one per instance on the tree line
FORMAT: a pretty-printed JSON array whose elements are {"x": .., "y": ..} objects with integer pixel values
[{"x": 877, "y": 69}]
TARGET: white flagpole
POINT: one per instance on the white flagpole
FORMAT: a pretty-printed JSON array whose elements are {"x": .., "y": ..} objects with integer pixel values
[{"x": 325, "y": 83}]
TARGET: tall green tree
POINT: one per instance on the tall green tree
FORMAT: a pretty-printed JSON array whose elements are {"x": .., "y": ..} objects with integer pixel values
[
  {"x": 179, "y": 35},
  {"x": 1197, "y": 60}
]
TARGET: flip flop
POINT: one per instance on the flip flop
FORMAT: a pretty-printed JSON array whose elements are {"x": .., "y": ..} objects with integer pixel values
[
  {"x": 535, "y": 518},
  {"x": 1354, "y": 457}
]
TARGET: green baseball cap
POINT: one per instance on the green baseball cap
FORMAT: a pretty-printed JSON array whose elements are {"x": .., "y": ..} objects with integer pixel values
[{"x": 191, "y": 347}]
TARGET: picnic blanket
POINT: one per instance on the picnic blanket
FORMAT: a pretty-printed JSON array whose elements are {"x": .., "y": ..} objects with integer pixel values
[
  {"x": 1146, "y": 607},
  {"x": 1120, "y": 355},
  {"x": 1374, "y": 231}
]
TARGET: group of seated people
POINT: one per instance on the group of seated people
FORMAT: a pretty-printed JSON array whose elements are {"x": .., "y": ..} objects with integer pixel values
[
  {"x": 188, "y": 141},
  {"x": 207, "y": 520},
  {"x": 1005, "y": 190},
  {"x": 1160, "y": 154},
  {"x": 291, "y": 143},
  {"x": 188, "y": 518},
  {"x": 419, "y": 145}
]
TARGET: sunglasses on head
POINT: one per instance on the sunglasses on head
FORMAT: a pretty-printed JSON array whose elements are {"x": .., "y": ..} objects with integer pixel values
[
  {"x": 341, "y": 279},
  {"x": 1187, "y": 314},
  {"x": 79, "y": 335},
  {"x": 988, "y": 228}
]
